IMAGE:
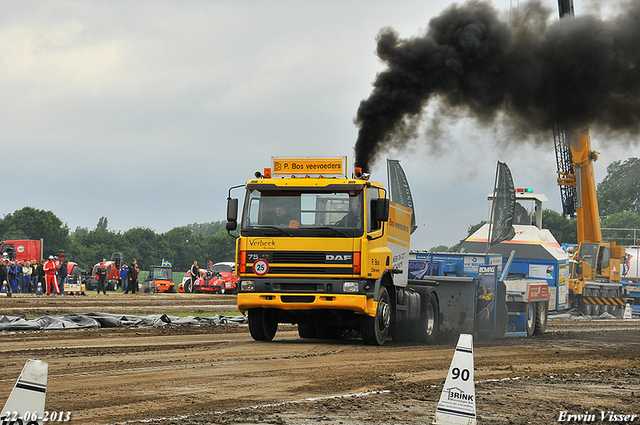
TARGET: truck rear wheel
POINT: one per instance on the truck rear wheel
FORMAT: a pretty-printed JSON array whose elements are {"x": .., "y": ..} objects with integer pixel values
[
  {"x": 375, "y": 329},
  {"x": 541, "y": 317},
  {"x": 262, "y": 324},
  {"x": 530, "y": 313},
  {"x": 430, "y": 324}
]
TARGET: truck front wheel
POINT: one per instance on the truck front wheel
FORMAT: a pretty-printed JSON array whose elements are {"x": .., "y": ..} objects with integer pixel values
[
  {"x": 375, "y": 329},
  {"x": 263, "y": 324}
]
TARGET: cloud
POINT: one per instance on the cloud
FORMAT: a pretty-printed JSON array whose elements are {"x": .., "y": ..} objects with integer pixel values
[{"x": 131, "y": 110}]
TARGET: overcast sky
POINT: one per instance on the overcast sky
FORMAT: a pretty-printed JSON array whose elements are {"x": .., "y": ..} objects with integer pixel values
[{"x": 146, "y": 112}]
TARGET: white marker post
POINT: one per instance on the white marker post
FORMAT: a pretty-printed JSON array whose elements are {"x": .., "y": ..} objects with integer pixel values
[
  {"x": 26, "y": 402},
  {"x": 458, "y": 399}
]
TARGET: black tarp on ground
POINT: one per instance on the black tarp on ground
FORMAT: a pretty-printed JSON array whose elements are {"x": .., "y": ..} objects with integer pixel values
[{"x": 108, "y": 320}]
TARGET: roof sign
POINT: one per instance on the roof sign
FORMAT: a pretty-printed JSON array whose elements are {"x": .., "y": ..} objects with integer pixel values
[{"x": 333, "y": 167}]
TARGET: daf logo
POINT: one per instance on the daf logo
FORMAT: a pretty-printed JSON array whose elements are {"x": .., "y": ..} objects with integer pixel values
[{"x": 338, "y": 257}]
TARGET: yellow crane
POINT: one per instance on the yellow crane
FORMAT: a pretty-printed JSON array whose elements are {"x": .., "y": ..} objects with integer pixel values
[{"x": 594, "y": 284}]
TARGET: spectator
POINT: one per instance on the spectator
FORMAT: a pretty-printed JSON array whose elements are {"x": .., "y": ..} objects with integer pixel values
[
  {"x": 35, "y": 268},
  {"x": 101, "y": 272},
  {"x": 50, "y": 269},
  {"x": 4, "y": 275},
  {"x": 13, "y": 273},
  {"x": 132, "y": 275},
  {"x": 194, "y": 273},
  {"x": 26, "y": 277},
  {"x": 62, "y": 270},
  {"x": 123, "y": 277},
  {"x": 41, "y": 275}
]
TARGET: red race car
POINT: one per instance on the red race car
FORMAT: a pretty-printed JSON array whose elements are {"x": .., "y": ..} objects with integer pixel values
[{"x": 220, "y": 279}]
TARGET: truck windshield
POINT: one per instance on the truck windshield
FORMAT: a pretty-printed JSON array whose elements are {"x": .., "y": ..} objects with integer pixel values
[{"x": 303, "y": 212}]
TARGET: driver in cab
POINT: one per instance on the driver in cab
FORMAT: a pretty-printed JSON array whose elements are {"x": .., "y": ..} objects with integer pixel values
[
  {"x": 284, "y": 218},
  {"x": 354, "y": 217}
]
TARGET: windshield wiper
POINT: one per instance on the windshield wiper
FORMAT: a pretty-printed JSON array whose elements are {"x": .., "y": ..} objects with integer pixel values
[
  {"x": 333, "y": 229},
  {"x": 276, "y": 228}
]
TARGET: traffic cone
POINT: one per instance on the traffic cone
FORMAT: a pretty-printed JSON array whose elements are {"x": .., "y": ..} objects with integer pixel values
[
  {"x": 39, "y": 289},
  {"x": 627, "y": 311}
]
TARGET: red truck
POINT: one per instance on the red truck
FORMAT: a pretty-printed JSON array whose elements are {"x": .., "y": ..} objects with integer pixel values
[{"x": 23, "y": 250}]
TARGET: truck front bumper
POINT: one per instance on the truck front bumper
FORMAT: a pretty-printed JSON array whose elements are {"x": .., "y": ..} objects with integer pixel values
[{"x": 359, "y": 304}]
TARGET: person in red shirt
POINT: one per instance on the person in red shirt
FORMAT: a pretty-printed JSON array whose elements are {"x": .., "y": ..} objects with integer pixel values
[{"x": 50, "y": 268}]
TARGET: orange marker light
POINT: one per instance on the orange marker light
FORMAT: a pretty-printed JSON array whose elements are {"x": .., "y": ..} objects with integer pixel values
[
  {"x": 242, "y": 266},
  {"x": 357, "y": 268}
]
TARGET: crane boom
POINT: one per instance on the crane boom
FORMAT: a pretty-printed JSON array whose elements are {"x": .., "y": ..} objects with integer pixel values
[
  {"x": 566, "y": 172},
  {"x": 574, "y": 160},
  {"x": 596, "y": 265},
  {"x": 564, "y": 160},
  {"x": 588, "y": 215}
]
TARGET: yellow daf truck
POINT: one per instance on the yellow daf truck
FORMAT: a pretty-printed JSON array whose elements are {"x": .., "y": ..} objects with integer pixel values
[{"x": 330, "y": 253}]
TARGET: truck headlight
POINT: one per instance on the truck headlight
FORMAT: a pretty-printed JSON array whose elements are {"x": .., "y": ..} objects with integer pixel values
[
  {"x": 247, "y": 285},
  {"x": 350, "y": 286}
]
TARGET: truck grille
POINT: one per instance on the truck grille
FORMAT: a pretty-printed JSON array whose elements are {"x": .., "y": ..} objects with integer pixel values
[
  {"x": 292, "y": 263},
  {"x": 311, "y": 270},
  {"x": 299, "y": 257}
]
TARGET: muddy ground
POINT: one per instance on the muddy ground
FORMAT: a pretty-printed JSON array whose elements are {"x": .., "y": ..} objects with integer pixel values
[{"x": 219, "y": 375}]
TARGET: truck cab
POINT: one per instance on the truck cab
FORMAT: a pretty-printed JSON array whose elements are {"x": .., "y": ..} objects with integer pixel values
[
  {"x": 323, "y": 260},
  {"x": 22, "y": 250}
]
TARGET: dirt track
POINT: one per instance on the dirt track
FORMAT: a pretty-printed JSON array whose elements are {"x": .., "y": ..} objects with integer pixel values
[{"x": 218, "y": 374}]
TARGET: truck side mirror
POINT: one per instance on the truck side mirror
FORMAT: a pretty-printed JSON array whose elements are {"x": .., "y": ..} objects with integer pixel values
[
  {"x": 232, "y": 214},
  {"x": 380, "y": 208}
]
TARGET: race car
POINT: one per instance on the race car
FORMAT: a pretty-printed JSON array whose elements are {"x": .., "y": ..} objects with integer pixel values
[
  {"x": 221, "y": 278},
  {"x": 227, "y": 280}
]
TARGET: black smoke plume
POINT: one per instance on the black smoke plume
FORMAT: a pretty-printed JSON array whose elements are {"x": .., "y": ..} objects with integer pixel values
[{"x": 584, "y": 71}]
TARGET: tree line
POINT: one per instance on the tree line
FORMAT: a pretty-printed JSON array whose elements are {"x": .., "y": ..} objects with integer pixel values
[{"x": 180, "y": 246}]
